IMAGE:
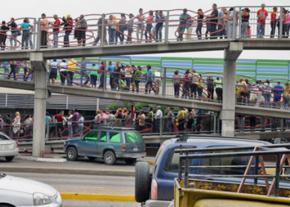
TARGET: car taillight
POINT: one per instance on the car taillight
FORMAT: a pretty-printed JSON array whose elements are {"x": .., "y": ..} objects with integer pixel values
[
  {"x": 154, "y": 190},
  {"x": 123, "y": 148}
]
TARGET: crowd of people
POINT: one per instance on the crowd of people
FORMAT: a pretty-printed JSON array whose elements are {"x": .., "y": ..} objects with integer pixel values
[
  {"x": 74, "y": 123},
  {"x": 148, "y": 27},
  {"x": 188, "y": 84}
]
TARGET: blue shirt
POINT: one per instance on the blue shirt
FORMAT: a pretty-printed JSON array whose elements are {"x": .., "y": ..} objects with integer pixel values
[
  {"x": 111, "y": 68},
  {"x": 25, "y": 26},
  {"x": 278, "y": 90}
]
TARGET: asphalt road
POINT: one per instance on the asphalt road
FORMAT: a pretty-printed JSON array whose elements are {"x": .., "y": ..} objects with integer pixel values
[{"x": 87, "y": 184}]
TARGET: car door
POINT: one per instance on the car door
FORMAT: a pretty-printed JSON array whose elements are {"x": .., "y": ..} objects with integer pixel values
[
  {"x": 102, "y": 142},
  {"x": 89, "y": 144},
  {"x": 115, "y": 141}
]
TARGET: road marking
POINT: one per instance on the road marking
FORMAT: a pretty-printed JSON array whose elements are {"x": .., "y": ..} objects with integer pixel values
[{"x": 103, "y": 197}]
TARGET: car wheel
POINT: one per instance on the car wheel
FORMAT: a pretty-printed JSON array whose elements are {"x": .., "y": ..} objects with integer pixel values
[
  {"x": 142, "y": 182},
  {"x": 71, "y": 154},
  {"x": 6, "y": 205},
  {"x": 109, "y": 157},
  {"x": 131, "y": 161},
  {"x": 9, "y": 158}
]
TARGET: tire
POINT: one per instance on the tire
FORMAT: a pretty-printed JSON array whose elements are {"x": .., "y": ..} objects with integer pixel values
[
  {"x": 109, "y": 157},
  {"x": 142, "y": 182},
  {"x": 6, "y": 205},
  {"x": 71, "y": 154},
  {"x": 9, "y": 158},
  {"x": 130, "y": 161}
]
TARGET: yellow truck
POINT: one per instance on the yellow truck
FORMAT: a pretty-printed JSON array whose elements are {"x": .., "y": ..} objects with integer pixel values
[{"x": 262, "y": 184}]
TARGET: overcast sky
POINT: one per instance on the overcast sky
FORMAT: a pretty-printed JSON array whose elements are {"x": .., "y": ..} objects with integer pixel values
[{"x": 33, "y": 8}]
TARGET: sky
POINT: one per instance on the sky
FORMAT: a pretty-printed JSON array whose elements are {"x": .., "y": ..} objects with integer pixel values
[{"x": 33, "y": 8}]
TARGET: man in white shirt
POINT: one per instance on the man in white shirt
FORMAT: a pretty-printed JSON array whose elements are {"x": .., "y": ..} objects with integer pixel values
[{"x": 158, "y": 119}]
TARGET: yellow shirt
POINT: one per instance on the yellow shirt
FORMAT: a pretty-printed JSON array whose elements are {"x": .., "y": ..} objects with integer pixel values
[{"x": 72, "y": 65}]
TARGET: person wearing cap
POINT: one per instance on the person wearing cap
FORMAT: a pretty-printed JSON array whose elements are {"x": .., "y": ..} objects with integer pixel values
[{"x": 43, "y": 30}]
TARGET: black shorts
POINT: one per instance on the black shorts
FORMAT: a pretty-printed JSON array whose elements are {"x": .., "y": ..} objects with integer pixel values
[{"x": 53, "y": 73}]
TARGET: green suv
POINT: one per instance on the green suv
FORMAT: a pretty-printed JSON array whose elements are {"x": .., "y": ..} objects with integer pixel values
[{"x": 109, "y": 143}]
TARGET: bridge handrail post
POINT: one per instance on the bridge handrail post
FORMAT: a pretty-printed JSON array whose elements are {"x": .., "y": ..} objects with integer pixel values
[
  {"x": 239, "y": 33},
  {"x": 38, "y": 34},
  {"x": 280, "y": 32},
  {"x": 234, "y": 29},
  {"x": 167, "y": 27},
  {"x": 164, "y": 82}
]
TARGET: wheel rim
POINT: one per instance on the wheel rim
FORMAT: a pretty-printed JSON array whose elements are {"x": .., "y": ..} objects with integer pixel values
[
  {"x": 70, "y": 154},
  {"x": 109, "y": 158}
]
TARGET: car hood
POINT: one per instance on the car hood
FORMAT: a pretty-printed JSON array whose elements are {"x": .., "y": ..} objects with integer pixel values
[
  {"x": 74, "y": 139},
  {"x": 11, "y": 183}
]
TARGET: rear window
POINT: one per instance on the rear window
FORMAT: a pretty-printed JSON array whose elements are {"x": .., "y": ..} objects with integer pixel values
[
  {"x": 232, "y": 165},
  {"x": 2, "y": 137},
  {"x": 133, "y": 137}
]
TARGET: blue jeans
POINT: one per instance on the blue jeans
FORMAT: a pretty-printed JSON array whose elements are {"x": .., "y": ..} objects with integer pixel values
[
  {"x": 244, "y": 27},
  {"x": 260, "y": 30},
  {"x": 25, "y": 39},
  {"x": 55, "y": 39},
  {"x": 84, "y": 77},
  {"x": 286, "y": 102},
  {"x": 112, "y": 36}
]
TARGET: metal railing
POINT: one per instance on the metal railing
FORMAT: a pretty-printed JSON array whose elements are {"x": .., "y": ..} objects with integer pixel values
[
  {"x": 240, "y": 165},
  {"x": 119, "y": 29}
]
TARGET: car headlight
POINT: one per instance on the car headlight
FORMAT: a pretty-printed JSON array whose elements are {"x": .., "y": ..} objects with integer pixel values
[{"x": 42, "y": 199}]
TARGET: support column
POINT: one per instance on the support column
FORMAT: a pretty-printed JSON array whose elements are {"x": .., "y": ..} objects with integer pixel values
[
  {"x": 229, "y": 85},
  {"x": 40, "y": 96}
]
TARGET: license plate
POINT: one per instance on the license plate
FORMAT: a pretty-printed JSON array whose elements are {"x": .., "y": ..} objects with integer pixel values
[{"x": 135, "y": 149}]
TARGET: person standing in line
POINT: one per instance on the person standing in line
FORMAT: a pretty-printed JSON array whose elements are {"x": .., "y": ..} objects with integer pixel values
[
  {"x": 25, "y": 27},
  {"x": 277, "y": 91},
  {"x": 94, "y": 75},
  {"x": 176, "y": 83},
  {"x": 16, "y": 124},
  {"x": 111, "y": 69},
  {"x": 44, "y": 26},
  {"x": 27, "y": 70},
  {"x": 67, "y": 27},
  {"x": 3, "y": 35},
  {"x": 55, "y": 29},
  {"x": 186, "y": 84},
  {"x": 200, "y": 17},
  {"x": 83, "y": 30},
  {"x": 159, "y": 19},
  {"x": 210, "y": 87},
  {"x": 71, "y": 68},
  {"x": 149, "y": 80},
  {"x": 63, "y": 71},
  {"x": 14, "y": 33},
  {"x": 158, "y": 119},
  {"x": 13, "y": 67},
  {"x": 122, "y": 27},
  {"x": 84, "y": 75},
  {"x": 140, "y": 25},
  {"x": 286, "y": 24},
  {"x": 261, "y": 21},
  {"x": 183, "y": 20},
  {"x": 286, "y": 96},
  {"x": 212, "y": 21},
  {"x": 102, "y": 31},
  {"x": 245, "y": 22},
  {"x": 274, "y": 21},
  {"x": 137, "y": 78},
  {"x": 267, "y": 93},
  {"x": 53, "y": 65},
  {"x": 221, "y": 23},
  {"x": 130, "y": 28},
  {"x": 149, "y": 25},
  {"x": 128, "y": 76},
  {"x": 102, "y": 72},
  {"x": 219, "y": 88},
  {"x": 112, "y": 26}
]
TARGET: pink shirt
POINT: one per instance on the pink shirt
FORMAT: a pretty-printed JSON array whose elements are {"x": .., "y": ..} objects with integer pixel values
[{"x": 287, "y": 19}]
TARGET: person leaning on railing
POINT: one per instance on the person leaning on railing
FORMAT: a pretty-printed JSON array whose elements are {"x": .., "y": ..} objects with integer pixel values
[{"x": 44, "y": 26}]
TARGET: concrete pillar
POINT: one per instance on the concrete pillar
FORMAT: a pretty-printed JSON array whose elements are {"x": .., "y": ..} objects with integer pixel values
[
  {"x": 40, "y": 96},
  {"x": 229, "y": 86}
]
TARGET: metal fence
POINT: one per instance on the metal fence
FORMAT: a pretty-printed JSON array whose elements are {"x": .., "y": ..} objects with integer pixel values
[{"x": 151, "y": 26}]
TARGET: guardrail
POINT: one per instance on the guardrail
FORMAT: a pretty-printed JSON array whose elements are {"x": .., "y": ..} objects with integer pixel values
[{"x": 160, "y": 26}]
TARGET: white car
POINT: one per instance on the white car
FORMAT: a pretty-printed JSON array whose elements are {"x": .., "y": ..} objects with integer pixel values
[
  {"x": 8, "y": 147},
  {"x": 20, "y": 192}
]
